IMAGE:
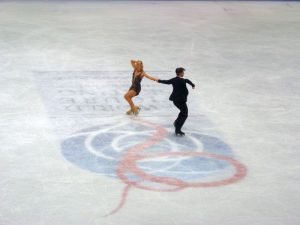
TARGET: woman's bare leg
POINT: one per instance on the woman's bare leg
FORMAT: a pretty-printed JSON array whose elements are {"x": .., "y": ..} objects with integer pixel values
[{"x": 128, "y": 97}]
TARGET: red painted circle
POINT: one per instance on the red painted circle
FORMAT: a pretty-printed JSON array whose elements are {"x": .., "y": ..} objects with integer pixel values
[{"x": 129, "y": 161}]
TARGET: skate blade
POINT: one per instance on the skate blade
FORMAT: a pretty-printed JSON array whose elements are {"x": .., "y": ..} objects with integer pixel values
[{"x": 136, "y": 113}]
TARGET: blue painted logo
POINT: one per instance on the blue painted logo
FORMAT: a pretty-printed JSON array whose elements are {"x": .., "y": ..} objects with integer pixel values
[{"x": 100, "y": 149}]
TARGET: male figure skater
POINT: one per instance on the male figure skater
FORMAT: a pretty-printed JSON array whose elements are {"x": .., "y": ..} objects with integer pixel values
[{"x": 179, "y": 97}]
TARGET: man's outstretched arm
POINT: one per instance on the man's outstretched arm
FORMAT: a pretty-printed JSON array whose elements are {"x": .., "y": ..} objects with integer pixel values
[{"x": 165, "y": 81}]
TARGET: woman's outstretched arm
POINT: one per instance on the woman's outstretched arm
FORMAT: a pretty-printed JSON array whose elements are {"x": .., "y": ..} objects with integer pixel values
[{"x": 150, "y": 77}]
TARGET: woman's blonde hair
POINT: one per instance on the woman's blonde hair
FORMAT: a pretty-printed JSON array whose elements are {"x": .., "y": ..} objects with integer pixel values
[{"x": 140, "y": 63}]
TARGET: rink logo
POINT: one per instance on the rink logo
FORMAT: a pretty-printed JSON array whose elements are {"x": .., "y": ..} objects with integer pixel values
[
  {"x": 90, "y": 93},
  {"x": 148, "y": 156}
]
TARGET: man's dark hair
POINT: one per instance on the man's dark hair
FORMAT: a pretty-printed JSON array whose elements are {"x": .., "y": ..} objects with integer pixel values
[{"x": 179, "y": 70}]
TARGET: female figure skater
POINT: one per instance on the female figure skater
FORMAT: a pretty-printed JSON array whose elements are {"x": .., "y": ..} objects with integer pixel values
[{"x": 134, "y": 90}]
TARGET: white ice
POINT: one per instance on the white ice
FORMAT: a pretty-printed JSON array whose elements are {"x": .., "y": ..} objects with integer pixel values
[{"x": 244, "y": 59}]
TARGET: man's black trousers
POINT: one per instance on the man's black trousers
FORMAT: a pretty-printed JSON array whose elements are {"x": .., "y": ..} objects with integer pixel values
[{"x": 181, "y": 105}]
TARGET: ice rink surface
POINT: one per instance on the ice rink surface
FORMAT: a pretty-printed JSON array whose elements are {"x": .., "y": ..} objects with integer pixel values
[{"x": 70, "y": 155}]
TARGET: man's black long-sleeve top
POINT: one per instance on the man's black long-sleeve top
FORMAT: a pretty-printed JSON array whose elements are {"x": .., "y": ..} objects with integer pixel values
[{"x": 180, "y": 91}]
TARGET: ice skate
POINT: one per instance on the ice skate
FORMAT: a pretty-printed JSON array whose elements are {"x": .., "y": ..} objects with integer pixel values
[
  {"x": 136, "y": 110},
  {"x": 179, "y": 133},
  {"x": 129, "y": 112}
]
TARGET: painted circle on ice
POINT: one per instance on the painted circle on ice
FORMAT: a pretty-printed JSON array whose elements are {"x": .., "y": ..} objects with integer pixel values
[{"x": 147, "y": 156}]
